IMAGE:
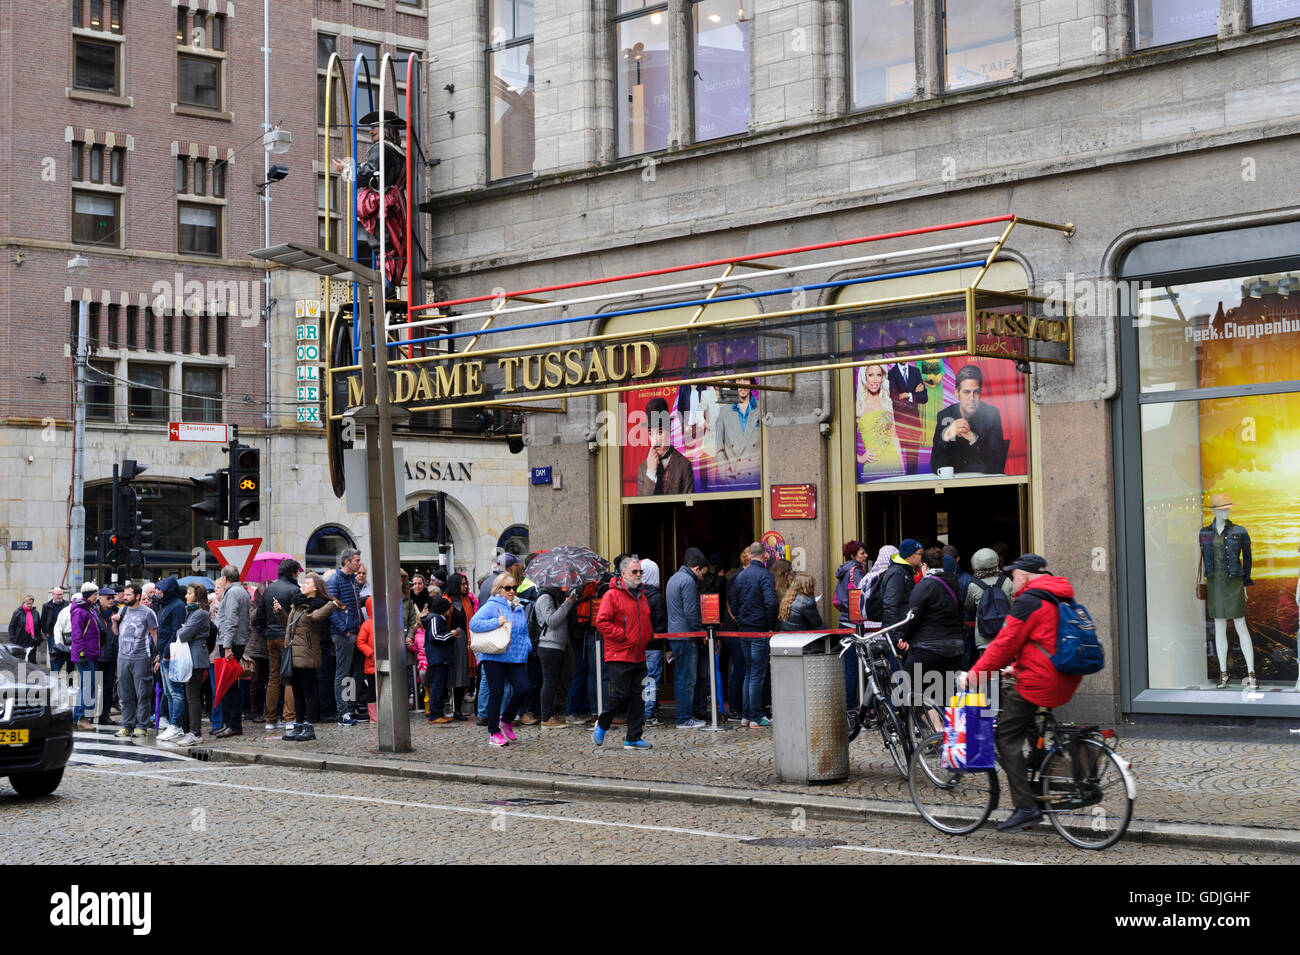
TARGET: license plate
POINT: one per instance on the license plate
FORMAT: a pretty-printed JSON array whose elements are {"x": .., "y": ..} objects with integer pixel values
[{"x": 13, "y": 737}]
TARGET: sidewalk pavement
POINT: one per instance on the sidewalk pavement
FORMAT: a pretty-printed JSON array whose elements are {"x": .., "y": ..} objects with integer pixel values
[{"x": 1218, "y": 794}]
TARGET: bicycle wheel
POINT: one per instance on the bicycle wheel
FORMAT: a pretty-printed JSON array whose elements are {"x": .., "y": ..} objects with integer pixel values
[
  {"x": 856, "y": 718},
  {"x": 1094, "y": 812},
  {"x": 895, "y": 736},
  {"x": 923, "y": 721},
  {"x": 952, "y": 802}
]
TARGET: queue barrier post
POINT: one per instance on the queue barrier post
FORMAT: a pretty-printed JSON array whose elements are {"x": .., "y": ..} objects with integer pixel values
[{"x": 713, "y": 679}]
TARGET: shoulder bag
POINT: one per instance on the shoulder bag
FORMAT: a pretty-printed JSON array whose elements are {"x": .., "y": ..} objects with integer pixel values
[{"x": 491, "y": 642}]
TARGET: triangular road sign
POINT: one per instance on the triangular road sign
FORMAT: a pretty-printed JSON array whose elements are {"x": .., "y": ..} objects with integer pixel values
[{"x": 239, "y": 552}]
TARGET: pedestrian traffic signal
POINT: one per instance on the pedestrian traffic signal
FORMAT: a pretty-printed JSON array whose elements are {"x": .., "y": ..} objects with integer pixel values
[
  {"x": 215, "y": 505},
  {"x": 245, "y": 484}
]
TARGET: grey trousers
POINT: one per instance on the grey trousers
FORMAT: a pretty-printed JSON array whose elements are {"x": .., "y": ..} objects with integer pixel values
[
  {"x": 344, "y": 646},
  {"x": 134, "y": 690}
]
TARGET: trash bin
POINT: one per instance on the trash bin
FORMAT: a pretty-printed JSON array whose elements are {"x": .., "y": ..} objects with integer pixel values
[{"x": 810, "y": 734}]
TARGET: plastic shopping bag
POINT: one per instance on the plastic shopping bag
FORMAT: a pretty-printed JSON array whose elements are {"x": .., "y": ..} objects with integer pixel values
[
  {"x": 181, "y": 667},
  {"x": 968, "y": 734}
]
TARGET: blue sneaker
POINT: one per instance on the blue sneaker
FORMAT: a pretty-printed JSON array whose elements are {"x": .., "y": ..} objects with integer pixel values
[
  {"x": 598, "y": 735},
  {"x": 639, "y": 744}
]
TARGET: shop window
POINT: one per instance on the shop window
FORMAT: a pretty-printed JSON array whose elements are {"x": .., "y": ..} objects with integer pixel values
[
  {"x": 1218, "y": 373},
  {"x": 979, "y": 42},
  {"x": 146, "y": 393},
  {"x": 721, "y": 68},
  {"x": 643, "y": 74},
  {"x": 1162, "y": 22},
  {"x": 510, "y": 69},
  {"x": 1263, "y": 12},
  {"x": 882, "y": 52}
]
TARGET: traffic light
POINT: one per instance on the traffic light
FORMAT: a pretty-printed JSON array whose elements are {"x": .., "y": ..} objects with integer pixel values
[
  {"x": 245, "y": 485},
  {"x": 215, "y": 505},
  {"x": 128, "y": 512},
  {"x": 111, "y": 549}
]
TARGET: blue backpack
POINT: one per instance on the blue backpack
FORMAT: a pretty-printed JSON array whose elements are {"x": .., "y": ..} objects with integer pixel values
[{"x": 1078, "y": 651}]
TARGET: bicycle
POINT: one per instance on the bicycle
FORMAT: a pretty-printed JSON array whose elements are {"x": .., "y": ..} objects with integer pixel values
[
  {"x": 1083, "y": 787},
  {"x": 900, "y": 731}
]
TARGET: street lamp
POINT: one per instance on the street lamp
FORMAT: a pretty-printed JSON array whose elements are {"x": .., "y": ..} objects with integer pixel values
[{"x": 77, "y": 265}]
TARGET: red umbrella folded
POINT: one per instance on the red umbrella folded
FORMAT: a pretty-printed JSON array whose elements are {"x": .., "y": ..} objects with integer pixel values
[{"x": 225, "y": 672}]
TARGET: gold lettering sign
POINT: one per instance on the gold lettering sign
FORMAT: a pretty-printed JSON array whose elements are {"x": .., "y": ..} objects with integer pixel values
[
  {"x": 543, "y": 371},
  {"x": 1016, "y": 325}
]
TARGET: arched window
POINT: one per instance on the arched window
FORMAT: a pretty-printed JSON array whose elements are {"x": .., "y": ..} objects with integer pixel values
[
  {"x": 325, "y": 545},
  {"x": 514, "y": 540}
]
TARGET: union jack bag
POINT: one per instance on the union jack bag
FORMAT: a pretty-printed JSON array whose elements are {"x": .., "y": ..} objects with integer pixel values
[{"x": 968, "y": 734}]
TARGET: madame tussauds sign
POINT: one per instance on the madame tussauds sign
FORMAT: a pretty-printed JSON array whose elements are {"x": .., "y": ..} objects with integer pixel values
[{"x": 514, "y": 374}]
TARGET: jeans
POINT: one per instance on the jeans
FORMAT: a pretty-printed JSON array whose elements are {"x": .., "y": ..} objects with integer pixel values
[
  {"x": 217, "y": 710},
  {"x": 851, "y": 666},
  {"x": 109, "y": 671},
  {"x": 686, "y": 658},
  {"x": 483, "y": 694},
  {"x": 625, "y": 680},
  {"x": 654, "y": 668},
  {"x": 497, "y": 675},
  {"x": 735, "y": 685},
  {"x": 345, "y": 694},
  {"x": 86, "y": 685},
  {"x": 552, "y": 662},
  {"x": 133, "y": 685},
  {"x": 175, "y": 694},
  {"x": 577, "y": 702},
  {"x": 756, "y": 655},
  {"x": 532, "y": 702},
  {"x": 702, "y": 692}
]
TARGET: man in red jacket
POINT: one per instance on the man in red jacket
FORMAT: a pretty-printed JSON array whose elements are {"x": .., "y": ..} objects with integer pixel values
[
  {"x": 624, "y": 622},
  {"x": 1032, "y": 620}
]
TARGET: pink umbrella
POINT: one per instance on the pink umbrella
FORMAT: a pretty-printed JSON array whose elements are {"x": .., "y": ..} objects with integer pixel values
[{"x": 266, "y": 567}]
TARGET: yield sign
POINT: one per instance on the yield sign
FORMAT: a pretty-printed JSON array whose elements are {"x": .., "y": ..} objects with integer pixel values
[{"x": 239, "y": 552}]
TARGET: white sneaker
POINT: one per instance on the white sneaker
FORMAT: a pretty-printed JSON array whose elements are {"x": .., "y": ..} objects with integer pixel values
[
  {"x": 189, "y": 739},
  {"x": 163, "y": 724},
  {"x": 270, "y": 726},
  {"x": 169, "y": 734}
]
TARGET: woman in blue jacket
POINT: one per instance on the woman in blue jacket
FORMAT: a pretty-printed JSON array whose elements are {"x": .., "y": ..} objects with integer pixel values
[{"x": 500, "y": 608}]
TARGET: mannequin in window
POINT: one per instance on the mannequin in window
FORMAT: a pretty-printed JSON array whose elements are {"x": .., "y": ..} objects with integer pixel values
[{"x": 1225, "y": 557}]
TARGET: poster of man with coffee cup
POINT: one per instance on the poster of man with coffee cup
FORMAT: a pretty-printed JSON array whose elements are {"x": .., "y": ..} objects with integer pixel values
[{"x": 980, "y": 422}]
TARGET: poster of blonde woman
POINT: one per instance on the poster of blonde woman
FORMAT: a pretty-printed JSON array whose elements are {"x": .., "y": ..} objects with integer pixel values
[{"x": 879, "y": 452}]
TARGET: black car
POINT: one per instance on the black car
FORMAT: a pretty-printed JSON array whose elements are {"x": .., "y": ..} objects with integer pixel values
[{"x": 35, "y": 724}]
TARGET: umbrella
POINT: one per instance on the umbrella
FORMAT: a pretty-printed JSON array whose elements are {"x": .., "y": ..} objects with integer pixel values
[
  {"x": 225, "y": 671},
  {"x": 207, "y": 582},
  {"x": 567, "y": 567},
  {"x": 266, "y": 567}
]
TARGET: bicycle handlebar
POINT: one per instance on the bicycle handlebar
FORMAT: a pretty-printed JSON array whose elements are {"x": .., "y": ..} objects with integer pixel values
[{"x": 854, "y": 638}]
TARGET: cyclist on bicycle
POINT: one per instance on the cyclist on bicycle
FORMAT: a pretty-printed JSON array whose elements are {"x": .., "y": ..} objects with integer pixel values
[{"x": 1032, "y": 620}]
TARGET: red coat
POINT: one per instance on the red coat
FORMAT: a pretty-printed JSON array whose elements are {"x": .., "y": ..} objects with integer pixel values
[
  {"x": 624, "y": 622},
  {"x": 366, "y": 638},
  {"x": 1032, "y": 619}
]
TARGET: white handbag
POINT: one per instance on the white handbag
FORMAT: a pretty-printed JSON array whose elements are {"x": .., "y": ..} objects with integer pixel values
[{"x": 490, "y": 642}]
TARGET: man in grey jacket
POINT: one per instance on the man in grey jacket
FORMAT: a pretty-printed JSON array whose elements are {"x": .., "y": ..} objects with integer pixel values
[
  {"x": 233, "y": 617},
  {"x": 683, "y": 599}
]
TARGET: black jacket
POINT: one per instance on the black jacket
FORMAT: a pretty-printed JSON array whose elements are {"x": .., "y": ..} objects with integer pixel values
[
  {"x": 49, "y": 616},
  {"x": 988, "y": 455},
  {"x": 658, "y": 614},
  {"x": 283, "y": 589},
  {"x": 752, "y": 597},
  {"x": 18, "y": 628},
  {"x": 895, "y": 583},
  {"x": 804, "y": 615},
  {"x": 938, "y": 625}
]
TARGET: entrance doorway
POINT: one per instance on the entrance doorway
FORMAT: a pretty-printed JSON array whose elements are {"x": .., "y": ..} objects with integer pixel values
[
  {"x": 966, "y": 517},
  {"x": 663, "y": 531}
]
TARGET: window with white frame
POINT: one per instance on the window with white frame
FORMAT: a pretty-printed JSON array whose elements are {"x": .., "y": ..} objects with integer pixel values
[
  {"x": 979, "y": 42},
  {"x": 643, "y": 76},
  {"x": 511, "y": 130},
  {"x": 882, "y": 52}
]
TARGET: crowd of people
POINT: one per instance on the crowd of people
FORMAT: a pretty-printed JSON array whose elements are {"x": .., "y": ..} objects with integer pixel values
[{"x": 306, "y": 643}]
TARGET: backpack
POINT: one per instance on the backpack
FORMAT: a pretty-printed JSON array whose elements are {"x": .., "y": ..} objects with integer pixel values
[
  {"x": 873, "y": 601},
  {"x": 1078, "y": 651},
  {"x": 536, "y": 628},
  {"x": 992, "y": 609}
]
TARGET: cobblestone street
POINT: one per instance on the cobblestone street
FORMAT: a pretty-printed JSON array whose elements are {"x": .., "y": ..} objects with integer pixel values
[{"x": 202, "y": 812}]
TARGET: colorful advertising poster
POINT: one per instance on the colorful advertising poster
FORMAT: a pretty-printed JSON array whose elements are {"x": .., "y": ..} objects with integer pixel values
[
  {"x": 694, "y": 439},
  {"x": 919, "y": 418}
]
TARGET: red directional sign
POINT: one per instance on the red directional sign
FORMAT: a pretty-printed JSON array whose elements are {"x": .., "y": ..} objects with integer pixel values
[
  {"x": 239, "y": 552},
  {"x": 194, "y": 431}
]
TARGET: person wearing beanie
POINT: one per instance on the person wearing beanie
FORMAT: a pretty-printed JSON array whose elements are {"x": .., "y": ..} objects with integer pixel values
[
  {"x": 988, "y": 573},
  {"x": 897, "y": 581}
]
